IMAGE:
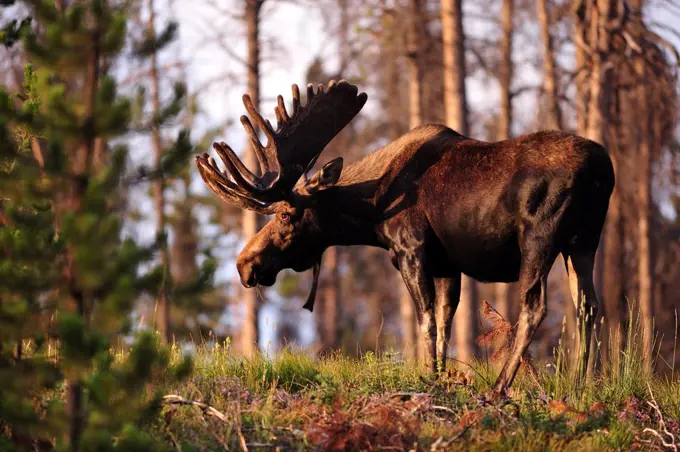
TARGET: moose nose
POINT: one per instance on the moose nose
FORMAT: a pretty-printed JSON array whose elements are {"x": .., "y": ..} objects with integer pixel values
[{"x": 248, "y": 273}]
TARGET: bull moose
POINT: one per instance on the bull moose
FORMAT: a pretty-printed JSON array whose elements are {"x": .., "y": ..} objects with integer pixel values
[{"x": 441, "y": 203}]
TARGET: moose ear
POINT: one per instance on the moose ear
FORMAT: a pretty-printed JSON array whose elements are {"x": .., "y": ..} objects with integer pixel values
[{"x": 327, "y": 176}]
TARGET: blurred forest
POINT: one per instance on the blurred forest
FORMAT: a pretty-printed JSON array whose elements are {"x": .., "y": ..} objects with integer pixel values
[
  {"x": 491, "y": 69},
  {"x": 103, "y": 216}
]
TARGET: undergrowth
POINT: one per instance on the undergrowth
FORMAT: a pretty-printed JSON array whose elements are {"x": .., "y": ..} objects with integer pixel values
[{"x": 296, "y": 402}]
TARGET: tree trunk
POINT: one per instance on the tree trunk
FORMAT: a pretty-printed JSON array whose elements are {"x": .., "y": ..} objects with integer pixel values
[
  {"x": 330, "y": 296},
  {"x": 613, "y": 293},
  {"x": 415, "y": 66},
  {"x": 613, "y": 302},
  {"x": 250, "y": 333},
  {"x": 503, "y": 291},
  {"x": 596, "y": 22},
  {"x": 549, "y": 72},
  {"x": 163, "y": 304},
  {"x": 644, "y": 246},
  {"x": 644, "y": 195},
  {"x": 453, "y": 37},
  {"x": 506, "y": 69},
  {"x": 73, "y": 203},
  {"x": 327, "y": 314},
  {"x": 582, "y": 89},
  {"x": 411, "y": 340},
  {"x": 184, "y": 249},
  {"x": 599, "y": 108}
]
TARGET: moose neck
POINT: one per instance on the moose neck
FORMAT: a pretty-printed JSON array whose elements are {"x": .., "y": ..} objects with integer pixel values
[
  {"x": 348, "y": 211},
  {"x": 347, "y": 215}
]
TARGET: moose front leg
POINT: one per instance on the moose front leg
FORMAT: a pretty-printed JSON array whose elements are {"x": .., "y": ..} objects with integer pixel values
[{"x": 421, "y": 287}]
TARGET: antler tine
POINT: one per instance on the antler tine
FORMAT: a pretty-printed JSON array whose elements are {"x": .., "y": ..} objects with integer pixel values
[
  {"x": 259, "y": 120},
  {"x": 265, "y": 164},
  {"x": 226, "y": 189},
  {"x": 279, "y": 118},
  {"x": 222, "y": 185},
  {"x": 310, "y": 93},
  {"x": 239, "y": 172},
  {"x": 281, "y": 113},
  {"x": 257, "y": 188},
  {"x": 296, "y": 100},
  {"x": 223, "y": 179}
]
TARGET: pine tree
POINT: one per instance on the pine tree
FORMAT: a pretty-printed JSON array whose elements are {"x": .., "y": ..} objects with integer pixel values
[
  {"x": 68, "y": 276},
  {"x": 28, "y": 248}
]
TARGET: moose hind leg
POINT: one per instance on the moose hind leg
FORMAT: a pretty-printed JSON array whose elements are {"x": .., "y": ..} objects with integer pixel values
[
  {"x": 534, "y": 310},
  {"x": 447, "y": 292},
  {"x": 538, "y": 256}
]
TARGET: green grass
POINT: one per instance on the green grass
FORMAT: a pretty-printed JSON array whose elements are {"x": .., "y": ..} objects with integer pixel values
[{"x": 296, "y": 402}]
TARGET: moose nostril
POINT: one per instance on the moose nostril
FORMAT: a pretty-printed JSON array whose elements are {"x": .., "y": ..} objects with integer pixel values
[
  {"x": 251, "y": 281},
  {"x": 252, "y": 278}
]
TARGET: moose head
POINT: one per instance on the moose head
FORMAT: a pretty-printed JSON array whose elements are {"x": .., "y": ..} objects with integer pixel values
[{"x": 293, "y": 237}]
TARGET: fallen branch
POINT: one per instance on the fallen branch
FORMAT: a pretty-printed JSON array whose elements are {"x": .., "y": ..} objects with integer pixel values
[
  {"x": 441, "y": 444},
  {"x": 404, "y": 396},
  {"x": 443, "y": 408},
  {"x": 672, "y": 445},
  {"x": 173, "y": 399}
]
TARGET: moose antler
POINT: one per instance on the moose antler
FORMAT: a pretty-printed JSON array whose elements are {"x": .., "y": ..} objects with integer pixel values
[{"x": 291, "y": 149}]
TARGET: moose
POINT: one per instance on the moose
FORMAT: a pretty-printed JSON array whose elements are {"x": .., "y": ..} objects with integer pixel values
[{"x": 442, "y": 204}]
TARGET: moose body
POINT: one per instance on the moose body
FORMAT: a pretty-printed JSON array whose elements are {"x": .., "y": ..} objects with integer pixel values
[{"x": 443, "y": 205}]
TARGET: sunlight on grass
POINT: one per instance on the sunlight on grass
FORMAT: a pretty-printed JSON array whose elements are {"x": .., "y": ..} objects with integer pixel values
[{"x": 294, "y": 400}]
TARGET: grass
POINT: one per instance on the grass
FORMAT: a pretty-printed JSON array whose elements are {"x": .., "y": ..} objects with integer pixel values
[{"x": 295, "y": 402}]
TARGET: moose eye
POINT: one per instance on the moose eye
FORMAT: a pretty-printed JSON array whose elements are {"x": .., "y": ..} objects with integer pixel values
[{"x": 285, "y": 217}]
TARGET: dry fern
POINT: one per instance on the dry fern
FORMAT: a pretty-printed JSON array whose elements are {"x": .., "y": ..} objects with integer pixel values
[{"x": 500, "y": 338}]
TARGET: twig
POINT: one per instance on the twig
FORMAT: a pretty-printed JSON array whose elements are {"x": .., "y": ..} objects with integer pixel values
[
  {"x": 445, "y": 444},
  {"x": 174, "y": 399},
  {"x": 473, "y": 369},
  {"x": 404, "y": 396},
  {"x": 662, "y": 425},
  {"x": 631, "y": 42},
  {"x": 444, "y": 409},
  {"x": 241, "y": 438},
  {"x": 531, "y": 370}
]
